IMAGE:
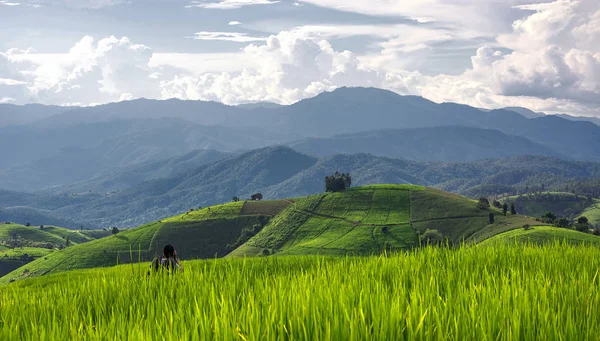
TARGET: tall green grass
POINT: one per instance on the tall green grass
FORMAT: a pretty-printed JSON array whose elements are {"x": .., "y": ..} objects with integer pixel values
[{"x": 505, "y": 292}]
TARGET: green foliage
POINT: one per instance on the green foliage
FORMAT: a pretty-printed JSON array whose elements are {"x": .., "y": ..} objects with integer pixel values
[
  {"x": 337, "y": 182},
  {"x": 114, "y": 230},
  {"x": 491, "y": 217},
  {"x": 504, "y": 208},
  {"x": 512, "y": 208},
  {"x": 483, "y": 204},
  {"x": 433, "y": 294},
  {"x": 256, "y": 196}
]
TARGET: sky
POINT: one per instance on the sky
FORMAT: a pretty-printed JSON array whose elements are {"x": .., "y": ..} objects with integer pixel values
[{"x": 542, "y": 55}]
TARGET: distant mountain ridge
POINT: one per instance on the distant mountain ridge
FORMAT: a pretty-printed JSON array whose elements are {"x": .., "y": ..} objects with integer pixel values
[
  {"x": 280, "y": 172},
  {"x": 452, "y": 143},
  {"x": 64, "y": 146}
]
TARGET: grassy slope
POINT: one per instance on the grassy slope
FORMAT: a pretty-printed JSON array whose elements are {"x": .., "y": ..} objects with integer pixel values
[
  {"x": 593, "y": 213},
  {"x": 361, "y": 220},
  {"x": 369, "y": 219},
  {"x": 202, "y": 233},
  {"x": 543, "y": 235},
  {"x": 11, "y": 259},
  {"x": 508, "y": 292}
]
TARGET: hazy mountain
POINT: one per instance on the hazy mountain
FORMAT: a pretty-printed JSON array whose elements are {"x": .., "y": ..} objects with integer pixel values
[
  {"x": 122, "y": 178},
  {"x": 594, "y": 120},
  {"x": 263, "y": 105},
  {"x": 279, "y": 172},
  {"x": 24, "y": 215},
  {"x": 82, "y": 143},
  {"x": 433, "y": 144},
  {"x": 65, "y": 155},
  {"x": 525, "y": 112},
  {"x": 14, "y": 115}
]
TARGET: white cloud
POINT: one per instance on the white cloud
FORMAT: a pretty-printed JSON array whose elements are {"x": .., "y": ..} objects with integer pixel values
[
  {"x": 8, "y": 3},
  {"x": 229, "y": 4},
  {"x": 4, "y": 100},
  {"x": 234, "y": 23},
  {"x": 227, "y": 36},
  {"x": 558, "y": 71}
]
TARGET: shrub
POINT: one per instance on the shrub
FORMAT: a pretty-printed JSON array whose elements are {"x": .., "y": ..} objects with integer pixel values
[
  {"x": 265, "y": 252},
  {"x": 491, "y": 217},
  {"x": 256, "y": 196},
  {"x": 114, "y": 230},
  {"x": 483, "y": 203},
  {"x": 512, "y": 208},
  {"x": 527, "y": 227},
  {"x": 385, "y": 229},
  {"x": 433, "y": 237}
]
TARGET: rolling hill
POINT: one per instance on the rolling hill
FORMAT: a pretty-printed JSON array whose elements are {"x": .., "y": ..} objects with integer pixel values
[
  {"x": 560, "y": 203},
  {"x": 20, "y": 244},
  {"x": 543, "y": 235},
  {"x": 361, "y": 220}
]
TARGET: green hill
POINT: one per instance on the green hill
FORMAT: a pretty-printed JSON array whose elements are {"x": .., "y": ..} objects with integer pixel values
[
  {"x": 560, "y": 203},
  {"x": 592, "y": 213},
  {"x": 203, "y": 233},
  {"x": 358, "y": 221},
  {"x": 370, "y": 219},
  {"x": 21, "y": 244},
  {"x": 543, "y": 235}
]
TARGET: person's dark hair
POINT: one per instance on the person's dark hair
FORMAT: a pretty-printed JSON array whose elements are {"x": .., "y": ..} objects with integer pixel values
[{"x": 168, "y": 251}]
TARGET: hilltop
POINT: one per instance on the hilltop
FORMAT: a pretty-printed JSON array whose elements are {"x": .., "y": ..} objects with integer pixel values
[
  {"x": 361, "y": 220},
  {"x": 543, "y": 235}
]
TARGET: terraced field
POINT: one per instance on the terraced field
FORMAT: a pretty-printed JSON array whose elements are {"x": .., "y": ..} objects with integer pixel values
[
  {"x": 203, "y": 233},
  {"x": 36, "y": 242},
  {"x": 359, "y": 221},
  {"x": 543, "y": 235},
  {"x": 370, "y": 219}
]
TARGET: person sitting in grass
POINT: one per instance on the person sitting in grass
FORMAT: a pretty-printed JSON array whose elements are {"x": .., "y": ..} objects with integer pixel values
[{"x": 168, "y": 261}]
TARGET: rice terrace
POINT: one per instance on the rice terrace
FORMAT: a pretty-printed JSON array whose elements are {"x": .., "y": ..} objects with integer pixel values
[
  {"x": 346, "y": 265},
  {"x": 300, "y": 170}
]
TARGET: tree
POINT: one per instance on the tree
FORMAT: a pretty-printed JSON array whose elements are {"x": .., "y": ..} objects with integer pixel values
[
  {"x": 549, "y": 218},
  {"x": 526, "y": 227},
  {"x": 41, "y": 227},
  {"x": 337, "y": 182},
  {"x": 491, "y": 217},
  {"x": 28, "y": 224},
  {"x": 583, "y": 224},
  {"x": 256, "y": 196},
  {"x": 235, "y": 199},
  {"x": 504, "y": 208},
  {"x": 497, "y": 204},
  {"x": 67, "y": 241},
  {"x": 597, "y": 231},
  {"x": 512, "y": 208},
  {"x": 562, "y": 222},
  {"x": 114, "y": 230},
  {"x": 483, "y": 203}
]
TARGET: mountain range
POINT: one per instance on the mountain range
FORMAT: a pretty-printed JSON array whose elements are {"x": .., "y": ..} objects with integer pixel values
[{"x": 131, "y": 162}]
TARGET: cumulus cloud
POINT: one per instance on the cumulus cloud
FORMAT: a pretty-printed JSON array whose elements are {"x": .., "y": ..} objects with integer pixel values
[
  {"x": 92, "y": 71},
  {"x": 558, "y": 71},
  {"x": 9, "y": 3},
  {"x": 228, "y": 4},
  {"x": 291, "y": 68},
  {"x": 234, "y": 23},
  {"x": 226, "y": 36}
]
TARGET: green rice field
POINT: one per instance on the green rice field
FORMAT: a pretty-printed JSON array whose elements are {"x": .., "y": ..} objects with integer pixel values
[{"x": 505, "y": 292}]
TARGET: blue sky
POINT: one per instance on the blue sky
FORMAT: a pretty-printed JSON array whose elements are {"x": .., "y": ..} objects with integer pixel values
[{"x": 544, "y": 55}]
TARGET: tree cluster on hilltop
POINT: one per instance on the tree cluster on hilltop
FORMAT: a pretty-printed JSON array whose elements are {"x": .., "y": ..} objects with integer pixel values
[{"x": 337, "y": 182}]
